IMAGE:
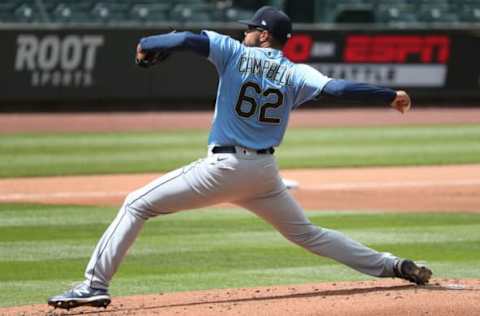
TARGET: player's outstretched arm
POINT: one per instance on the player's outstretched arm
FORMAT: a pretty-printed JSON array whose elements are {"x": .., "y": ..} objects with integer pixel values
[
  {"x": 176, "y": 41},
  {"x": 366, "y": 93}
]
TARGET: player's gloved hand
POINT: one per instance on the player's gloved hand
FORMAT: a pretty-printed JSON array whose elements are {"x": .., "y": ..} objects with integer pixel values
[
  {"x": 145, "y": 59},
  {"x": 402, "y": 102}
]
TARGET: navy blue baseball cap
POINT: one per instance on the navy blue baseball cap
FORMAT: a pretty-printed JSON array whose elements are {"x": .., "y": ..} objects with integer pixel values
[{"x": 273, "y": 20}]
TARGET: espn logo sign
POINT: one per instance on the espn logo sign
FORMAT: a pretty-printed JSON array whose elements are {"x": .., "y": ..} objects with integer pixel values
[
  {"x": 58, "y": 61},
  {"x": 397, "y": 49},
  {"x": 302, "y": 47}
]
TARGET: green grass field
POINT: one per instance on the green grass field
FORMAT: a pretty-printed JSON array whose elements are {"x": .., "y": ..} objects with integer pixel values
[
  {"x": 45, "y": 248},
  {"x": 63, "y": 154}
]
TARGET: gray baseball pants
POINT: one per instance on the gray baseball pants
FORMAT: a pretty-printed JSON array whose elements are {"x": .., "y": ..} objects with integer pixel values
[{"x": 245, "y": 178}]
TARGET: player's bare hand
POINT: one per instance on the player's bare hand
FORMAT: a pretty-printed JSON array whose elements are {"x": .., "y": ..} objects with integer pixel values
[{"x": 402, "y": 102}]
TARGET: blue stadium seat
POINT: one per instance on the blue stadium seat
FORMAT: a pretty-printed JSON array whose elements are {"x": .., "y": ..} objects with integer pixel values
[
  {"x": 27, "y": 13},
  {"x": 396, "y": 13},
  {"x": 437, "y": 13},
  {"x": 150, "y": 12},
  {"x": 194, "y": 12},
  {"x": 7, "y": 9},
  {"x": 70, "y": 13},
  {"x": 469, "y": 12},
  {"x": 110, "y": 11},
  {"x": 184, "y": 11},
  {"x": 234, "y": 14}
]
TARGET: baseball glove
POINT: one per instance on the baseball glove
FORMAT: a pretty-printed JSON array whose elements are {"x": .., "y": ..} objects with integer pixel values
[
  {"x": 145, "y": 59},
  {"x": 148, "y": 59}
]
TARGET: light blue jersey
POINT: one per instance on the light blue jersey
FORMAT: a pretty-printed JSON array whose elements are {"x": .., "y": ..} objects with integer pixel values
[{"x": 258, "y": 87}]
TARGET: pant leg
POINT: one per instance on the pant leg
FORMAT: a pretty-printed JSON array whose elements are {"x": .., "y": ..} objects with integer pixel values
[
  {"x": 196, "y": 185},
  {"x": 286, "y": 215},
  {"x": 112, "y": 247}
]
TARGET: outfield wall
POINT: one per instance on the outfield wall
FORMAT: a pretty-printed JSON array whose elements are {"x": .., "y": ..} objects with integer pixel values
[{"x": 90, "y": 68}]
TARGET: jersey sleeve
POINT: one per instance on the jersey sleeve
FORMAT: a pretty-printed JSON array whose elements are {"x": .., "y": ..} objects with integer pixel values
[
  {"x": 310, "y": 83},
  {"x": 222, "y": 48}
]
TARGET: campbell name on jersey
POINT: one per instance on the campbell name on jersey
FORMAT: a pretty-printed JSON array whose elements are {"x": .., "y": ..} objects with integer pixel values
[{"x": 274, "y": 71}]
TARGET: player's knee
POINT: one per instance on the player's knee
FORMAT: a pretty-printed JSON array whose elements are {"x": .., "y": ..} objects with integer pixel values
[
  {"x": 138, "y": 206},
  {"x": 305, "y": 237}
]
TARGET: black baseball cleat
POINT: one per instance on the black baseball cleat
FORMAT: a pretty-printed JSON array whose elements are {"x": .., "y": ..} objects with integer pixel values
[
  {"x": 408, "y": 270},
  {"x": 81, "y": 295}
]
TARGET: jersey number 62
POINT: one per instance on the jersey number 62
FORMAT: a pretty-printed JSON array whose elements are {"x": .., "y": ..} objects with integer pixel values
[{"x": 252, "y": 109}]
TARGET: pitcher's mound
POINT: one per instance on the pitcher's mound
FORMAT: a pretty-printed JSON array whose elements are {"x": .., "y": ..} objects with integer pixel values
[{"x": 383, "y": 297}]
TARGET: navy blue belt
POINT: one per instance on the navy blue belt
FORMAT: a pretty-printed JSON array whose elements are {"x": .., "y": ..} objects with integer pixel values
[{"x": 233, "y": 150}]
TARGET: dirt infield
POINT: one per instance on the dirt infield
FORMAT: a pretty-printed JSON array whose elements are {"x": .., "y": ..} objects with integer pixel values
[
  {"x": 428, "y": 189},
  {"x": 413, "y": 189},
  {"x": 384, "y": 297},
  {"x": 153, "y": 121}
]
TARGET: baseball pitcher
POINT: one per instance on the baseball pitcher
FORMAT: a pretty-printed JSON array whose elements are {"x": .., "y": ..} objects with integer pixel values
[{"x": 258, "y": 88}]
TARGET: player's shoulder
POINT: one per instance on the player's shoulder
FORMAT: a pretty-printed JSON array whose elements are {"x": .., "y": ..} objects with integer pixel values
[
  {"x": 307, "y": 72},
  {"x": 219, "y": 38},
  {"x": 213, "y": 34},
  {"x": 304, "y": 68},
  {"x": 300, "y": 71}
]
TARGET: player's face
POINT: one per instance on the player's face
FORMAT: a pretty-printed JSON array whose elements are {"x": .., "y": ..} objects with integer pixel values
[{"x": 252, "y": 36}]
